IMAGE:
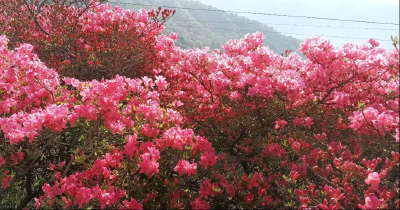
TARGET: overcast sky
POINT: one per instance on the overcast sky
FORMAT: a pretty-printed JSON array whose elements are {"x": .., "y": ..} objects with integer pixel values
[{"x": 366, "y": 10}]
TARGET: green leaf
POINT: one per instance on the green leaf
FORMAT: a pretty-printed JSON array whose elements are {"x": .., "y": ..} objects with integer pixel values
[
  {"x": 361, "y": 105},
  {"x": 395, "y": 40},
  {"x": 216, "y": 189}
]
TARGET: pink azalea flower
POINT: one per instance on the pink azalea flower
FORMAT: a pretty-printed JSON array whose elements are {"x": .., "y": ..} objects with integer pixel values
[
  {"x": 374, "y": 43},
  {"x": 2, "y": 161},
  {"x": 280, "y": 124},
  {"x": 199, "y": 204},
  {"x": 298, "y": 121},
  {"x": 372, "y": 202},
  {"x": 5, "y": 182},
  {"x": 185, "y": 166},
  {"x": 373, "y": 179},
  {"x": 309, "y": 122}
]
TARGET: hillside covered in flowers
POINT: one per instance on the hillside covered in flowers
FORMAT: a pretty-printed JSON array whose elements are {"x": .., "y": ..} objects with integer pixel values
[{"x": 100, "y": 110}]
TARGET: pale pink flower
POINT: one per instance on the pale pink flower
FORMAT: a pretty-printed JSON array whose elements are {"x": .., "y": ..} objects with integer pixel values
[
  {"x": 372, "y": 202},
  {"x": 374, "y": 180}
]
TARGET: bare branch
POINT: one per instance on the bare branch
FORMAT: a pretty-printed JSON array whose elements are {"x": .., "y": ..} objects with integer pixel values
[
  {"x": 81, "y": 150},
  {"x": 34, "y": 160},
  {"x": 35, "y": 19},
  {"x": 45, "y": 87}
]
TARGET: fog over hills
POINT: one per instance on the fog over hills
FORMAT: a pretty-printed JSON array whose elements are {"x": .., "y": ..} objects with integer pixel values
[
  {"x": 199, "y": 28},
  {"x": 378, "y": 11}
]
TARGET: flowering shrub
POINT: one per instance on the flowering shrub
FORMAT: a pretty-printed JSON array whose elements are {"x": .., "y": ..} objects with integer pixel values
[
  {"x": 89, "y": 42},
  {"x": 242, "y": 128}
]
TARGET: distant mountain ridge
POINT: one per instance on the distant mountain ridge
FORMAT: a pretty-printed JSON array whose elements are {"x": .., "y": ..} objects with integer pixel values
[{"x": 195, "y": 34}]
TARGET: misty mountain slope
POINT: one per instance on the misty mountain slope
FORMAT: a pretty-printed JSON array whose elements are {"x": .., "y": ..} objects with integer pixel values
[{"x": 194, "y": 32}]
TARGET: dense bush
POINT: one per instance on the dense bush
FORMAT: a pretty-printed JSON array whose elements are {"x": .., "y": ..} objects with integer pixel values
[{"x": 108, "y": 113}]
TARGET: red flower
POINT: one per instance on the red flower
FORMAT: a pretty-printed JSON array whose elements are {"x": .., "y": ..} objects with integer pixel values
[
  {"x": 2, "y": 161},
  {"x": 248, "y": 198}
]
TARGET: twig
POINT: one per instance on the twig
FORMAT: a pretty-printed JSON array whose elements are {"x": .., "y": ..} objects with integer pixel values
[
  {"x": 17, "y": 167},
  {"x": 338, "y": 86},
  {"x": 45, "y": 87},
  {"x": 35, "y": 19},
  {"x": 34, "y": 160},
  {"x": 40, "y": 6},
  {"x": 314, "y": 171},
  {"x": 81, "y": 150},
  {"x": 396, "y": 47},
  {"x": 27, "y": 199},
  {"x": 318, "y": 174},
  {"x": 80, "y": 14},
  {"x": 372, "y": 126}
]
